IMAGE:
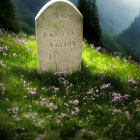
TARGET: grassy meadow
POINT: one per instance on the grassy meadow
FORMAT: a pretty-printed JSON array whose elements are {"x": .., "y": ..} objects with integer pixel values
[{"x": 102, "y": 102}]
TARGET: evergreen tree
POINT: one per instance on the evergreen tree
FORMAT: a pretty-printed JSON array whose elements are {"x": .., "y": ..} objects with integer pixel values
[
  {"x": 27, "y": 10},
  {"x": 8, "y": 17},
  {"x": 131, "y": 36},
  {"x": 92, "y": 30}
]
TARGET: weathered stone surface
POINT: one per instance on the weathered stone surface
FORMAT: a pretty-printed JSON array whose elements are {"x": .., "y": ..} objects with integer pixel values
[{"x": 59, "y": 32}]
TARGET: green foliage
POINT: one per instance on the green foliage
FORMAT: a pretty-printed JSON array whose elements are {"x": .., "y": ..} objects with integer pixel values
[
  {"x": 27, "y": 10},
  {"x": 92, "y": 30},
  {"x": 129, "y": 50},
  {"x": 111, "y": 45},
  {"x": 100, "y": 102},
  {"x": 116, "y": 44},
  {"x": 131, "y": 37},
  {"x": 8, "y": 17},
  {"x": 26, "y": 28}
]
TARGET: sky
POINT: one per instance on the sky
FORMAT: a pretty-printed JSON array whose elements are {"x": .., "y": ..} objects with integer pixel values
[{"x": 117, "y": 15}]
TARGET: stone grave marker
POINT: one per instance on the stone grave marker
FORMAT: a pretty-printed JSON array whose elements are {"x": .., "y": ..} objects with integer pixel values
[{"x": 59, "y": 33}]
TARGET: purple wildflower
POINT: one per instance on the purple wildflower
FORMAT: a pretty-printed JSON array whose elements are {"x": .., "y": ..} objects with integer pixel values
[
  {"x": 90, "y": 91},
  {"x": 105, "y": 86},
  {"x": 92, "y": 46},
  {"x": 32, "y": 91},
  {"x": 137, "y": 101},
  {"x": 75, "y": 111},
  {"x": 126, "y": 96},
  {"x": 21, "y": 42},
  {"x": 56, "y": 89},
  {"x": 13, "y": 110},
  {"x": 3, "y": 89},
  {"x": 116, "y": 97},
  {"x": 61, "y": 73},
  {"x": 114, "y": 59},
  {"x": 124, "y": 59},
  {"x": 132, "y": 81},
  {"x": 4, "y": 54},
  {"x": 14, "y": 54},
  {"x": 74, "y": 102},
  {"x": 32, "y": 37},
  {"x": 44, "y": 70},
  {"x": 98, "y": 48},
  {"x": 117, "y": 110},
  {"x": 2, "y": 63},
  {"x": 2, "y": 39},
  {"x": 127, "y": 114}
]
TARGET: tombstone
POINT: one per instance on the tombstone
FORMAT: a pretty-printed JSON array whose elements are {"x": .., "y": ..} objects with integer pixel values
[{"x": 59, "y": 32}]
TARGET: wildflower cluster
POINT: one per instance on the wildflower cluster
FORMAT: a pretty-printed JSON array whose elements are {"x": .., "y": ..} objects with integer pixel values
[
  {"x": 2, "y": 40},
  {"x": 3, "y": 48},
  {"x": 20, "y": 41},
  {"x": 13, "y": 111},
  {"x": 32, "y": 37},
  {"x": 46, "y": 104},
  {"x": 31, "y": 91},
  {"x": 75, "y": 102},
  {"x": 1, "y": 63},
  {"x": 61, "y": 73},
  {"x": 2, "y": 89},
  {"x": 75, "y": 111},
  {"x": 104, "y": 86},
  {"x": 131, "y": 80},
  {"x": 56, "y": 89},
  {"x": 100, "y": 101},
  {"x": 119, "y": 97},
  {"x": 65, "y": 83}
]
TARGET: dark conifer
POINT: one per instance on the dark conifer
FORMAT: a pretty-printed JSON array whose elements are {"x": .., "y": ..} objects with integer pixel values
[
  {"x": 8, "y": 17},
  {"x": 92, "y": 30}
]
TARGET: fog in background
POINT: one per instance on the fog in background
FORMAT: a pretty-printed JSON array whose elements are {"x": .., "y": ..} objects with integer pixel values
[{"x": 116, "y": 15}]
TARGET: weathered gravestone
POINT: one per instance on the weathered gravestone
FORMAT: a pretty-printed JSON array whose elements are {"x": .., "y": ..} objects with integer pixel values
[{"x": 59, "y": 32}]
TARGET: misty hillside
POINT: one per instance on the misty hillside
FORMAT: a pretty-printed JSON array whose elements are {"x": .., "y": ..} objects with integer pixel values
[
  {"x": 27, "y": 10},
  {"x": 101, "y": 102},
  {"x": 131, "y": 36},
  {"x": 113, "y": 19},
  {"x": 117, "y": 15}
]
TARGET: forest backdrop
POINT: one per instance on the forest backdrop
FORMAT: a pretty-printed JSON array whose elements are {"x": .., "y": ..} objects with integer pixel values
[{"x": 116, "y": 24}]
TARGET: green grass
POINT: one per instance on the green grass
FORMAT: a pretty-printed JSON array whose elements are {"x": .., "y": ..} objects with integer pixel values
[{"x": 100, "y": 102}]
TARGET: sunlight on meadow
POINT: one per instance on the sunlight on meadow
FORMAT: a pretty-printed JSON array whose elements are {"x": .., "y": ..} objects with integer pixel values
[{"x": 101, "y": 101}]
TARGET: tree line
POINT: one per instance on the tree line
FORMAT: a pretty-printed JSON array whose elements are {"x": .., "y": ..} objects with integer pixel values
[
  {"x": 28, "y": 9},
  {"x": 127, "y": 42},
  {"x": 8, "y": 16}
]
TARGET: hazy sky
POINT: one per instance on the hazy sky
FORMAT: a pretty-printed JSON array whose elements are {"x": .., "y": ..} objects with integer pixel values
[{"x": 117, "y": 13}]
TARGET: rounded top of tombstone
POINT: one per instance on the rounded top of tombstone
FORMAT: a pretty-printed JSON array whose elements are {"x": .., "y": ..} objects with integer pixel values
[{"x": 55, "y": 1}]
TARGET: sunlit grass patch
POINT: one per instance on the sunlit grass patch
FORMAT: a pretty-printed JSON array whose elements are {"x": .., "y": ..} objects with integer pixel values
[{"x": 102, "y": 101}]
